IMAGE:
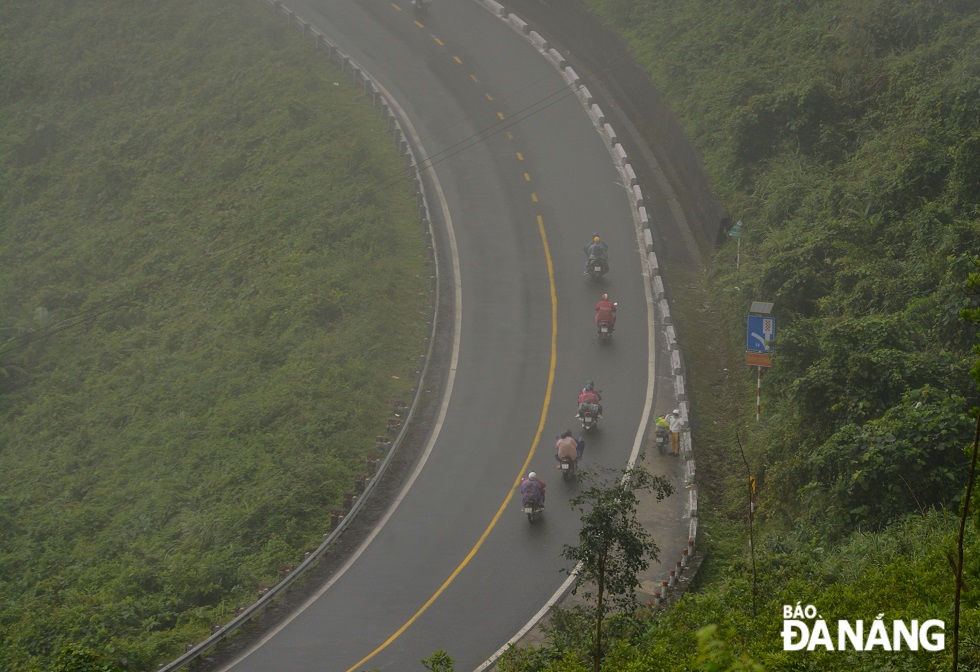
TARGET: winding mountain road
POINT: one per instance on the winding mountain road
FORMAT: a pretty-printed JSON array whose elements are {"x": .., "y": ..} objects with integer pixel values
[{"x": 523, "y": 181}]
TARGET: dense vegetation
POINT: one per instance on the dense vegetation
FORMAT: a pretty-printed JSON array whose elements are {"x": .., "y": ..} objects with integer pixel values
[
  {"x": 846, "y": 137},
  {"x": 206, "y": 237}
]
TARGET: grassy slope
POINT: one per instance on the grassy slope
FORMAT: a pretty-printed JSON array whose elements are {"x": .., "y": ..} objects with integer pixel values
[
  {"x": 239, "y": 207},
  {"x": 838, "y": 131}
]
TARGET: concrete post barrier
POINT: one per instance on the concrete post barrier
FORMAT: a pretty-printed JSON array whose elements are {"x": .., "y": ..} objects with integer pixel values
[
  {"x": 658, "y": 283},
  {"x": 538, "y": 41},
  {"x": 518, "y": 24},
  {"x": 638, "y": 195},
  {"x": 597, "y": 114},
  {"x": 620, "y": 152},
  {"x": 631, "y": 179},
  {"x": 556, "y": 59}
]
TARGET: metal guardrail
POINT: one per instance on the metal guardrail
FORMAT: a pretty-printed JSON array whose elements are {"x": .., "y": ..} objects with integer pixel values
[
  {"x": 388, "y": 110},
  {"x": 644, "y": 226}
]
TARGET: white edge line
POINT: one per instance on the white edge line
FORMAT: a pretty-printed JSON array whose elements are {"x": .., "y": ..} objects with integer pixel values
[
  {"x": 640, "y": 432},
  {"x": 457, "y": 324}
]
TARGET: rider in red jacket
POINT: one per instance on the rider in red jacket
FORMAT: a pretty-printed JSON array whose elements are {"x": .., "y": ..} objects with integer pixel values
[
  {"x": 588, "y": 395},
  {"x": 605, "y": 310}
]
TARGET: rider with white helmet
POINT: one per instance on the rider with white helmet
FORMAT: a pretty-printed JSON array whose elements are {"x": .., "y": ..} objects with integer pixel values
[{"x": 532, "y": 489}]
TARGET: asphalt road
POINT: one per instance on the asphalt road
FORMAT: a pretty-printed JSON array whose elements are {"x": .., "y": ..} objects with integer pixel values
[{"x": 525, "y": 180}]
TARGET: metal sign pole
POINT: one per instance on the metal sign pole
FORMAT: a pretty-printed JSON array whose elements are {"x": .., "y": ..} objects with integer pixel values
[
  {"x": 736, "y": 233},
  {"x": 758, "y": 394}
]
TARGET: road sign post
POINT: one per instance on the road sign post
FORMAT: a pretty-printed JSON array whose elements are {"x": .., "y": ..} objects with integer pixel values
[
  {"x": 736, "y": 233},
  {"x": 760, "y": 337}
]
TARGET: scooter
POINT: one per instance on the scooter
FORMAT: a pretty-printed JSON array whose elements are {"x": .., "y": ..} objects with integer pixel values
[
  {"x": 662, "y": 437},
  {"x": 589, "y": 415},
  {"x": 533, "y": 509},
  {"x": 606, "y": 327},
  {"x": 568, "y": 467},
  {"x": 597, "y": 267}
]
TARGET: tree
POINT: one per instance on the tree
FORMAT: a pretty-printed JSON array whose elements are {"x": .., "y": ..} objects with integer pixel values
[
  {"x": 971, "y": 314},
  {"x": 440, "y": 661},
  {"x": 613, "y": 546},
  {"x": 909, "y": 459}
]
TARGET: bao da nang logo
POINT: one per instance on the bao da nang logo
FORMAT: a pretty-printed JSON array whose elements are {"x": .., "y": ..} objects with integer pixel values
[{"x": 805, "y": 629}]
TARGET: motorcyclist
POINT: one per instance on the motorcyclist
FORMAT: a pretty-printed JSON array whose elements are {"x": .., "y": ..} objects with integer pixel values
[
  {"x": 532, "y": 490},
  {"x": 588, "y": 395},
  {"x": 605, "y": 310},
  {"x": 566, "y": 447},
  {"x": 595, "y": 251},
  {"x": 663, "y": 429}
]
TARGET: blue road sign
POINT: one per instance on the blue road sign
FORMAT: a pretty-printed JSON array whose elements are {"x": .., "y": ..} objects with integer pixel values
[{"x": 761, "y": 332}]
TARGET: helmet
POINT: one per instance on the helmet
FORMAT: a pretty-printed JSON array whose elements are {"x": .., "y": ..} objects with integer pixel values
[
  {"x": 595, "y": 239},
  {"x": 567, "y": 433},
  {"x": 605, "y": 297},
  {"x": 589, "y": 385},
  {"x": 532, "y": 476},
  {"x": 677, "y": 411}
]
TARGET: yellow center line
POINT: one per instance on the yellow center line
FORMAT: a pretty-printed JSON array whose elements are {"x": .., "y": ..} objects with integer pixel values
[
  {"x": 438, "y": 41},
  {"x": 520, "y": 157},
  {"x": 520, "y": 475},
  {"x": 527, "y": 177},
  {"x": 458, "y": 60},
  {"x": 473, "y": 77}
]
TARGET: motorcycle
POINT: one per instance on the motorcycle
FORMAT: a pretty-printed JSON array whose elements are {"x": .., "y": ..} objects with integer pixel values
[
  {"x": 533, "y": 508},
  {"x": 568, "y": 467},
  {"x": 421, "y": 6},
  {"x": 597, "y": 267},
  {"x": 662, "y": 439},
  {"x": 589, "y": 415},
  {"x": 606, "y": 327}
]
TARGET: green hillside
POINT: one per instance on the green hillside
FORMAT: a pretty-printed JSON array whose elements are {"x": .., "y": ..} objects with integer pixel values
[
  {"x": 846, "y": 137},
  {"x": 206, "y": 238}
]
